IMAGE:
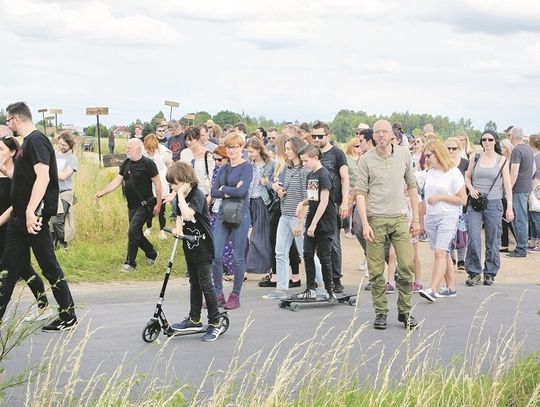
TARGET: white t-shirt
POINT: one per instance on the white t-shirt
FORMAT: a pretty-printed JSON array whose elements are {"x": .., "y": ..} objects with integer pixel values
[
  {"x": 200, "y": 166},
  {"x": 445, "y": 183}
]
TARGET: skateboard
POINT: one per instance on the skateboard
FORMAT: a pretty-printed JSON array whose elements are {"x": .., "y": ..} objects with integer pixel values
[{"x": 294, "y": 305}]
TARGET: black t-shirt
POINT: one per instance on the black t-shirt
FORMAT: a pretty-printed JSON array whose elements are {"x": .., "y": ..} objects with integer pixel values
[
  {"x": 138, "y": 180},
  {"x": 201, "y": 251},
  {"x": 315, "y": 183},
  {"x": 463, "y": 165},
  {"x": 333, "y": 160},
  {"x": 36, "y": 148},
  {"x": 5, "y": 202}
]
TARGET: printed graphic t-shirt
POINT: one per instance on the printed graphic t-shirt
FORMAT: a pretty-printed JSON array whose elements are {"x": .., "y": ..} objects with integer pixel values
[
  {"x": 202, "y": 250},
  {"x": 316, "y": 182}
]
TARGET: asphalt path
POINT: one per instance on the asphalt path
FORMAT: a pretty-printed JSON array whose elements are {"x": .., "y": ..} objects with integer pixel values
[{"x": 113, "y": 316}]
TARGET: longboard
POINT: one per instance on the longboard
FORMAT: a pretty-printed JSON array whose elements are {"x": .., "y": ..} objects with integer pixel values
[{"x": 293, "y": 304}]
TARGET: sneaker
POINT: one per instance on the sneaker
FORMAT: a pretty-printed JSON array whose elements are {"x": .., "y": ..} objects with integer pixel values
[
  {"x": 38, "y": 314},
  {"x": 331, "y": 297},
  {"x": 349, "y": 235},
  {"x": 147, "y": 232},
  {"x": 534, "y": 249},
  {"x": 461, "y": 265},
  {"x": 150, "y": 261},
  {"x": 59, "y": 325},
  {"x": 266, "y": 282},
  {"x": 233, "y": 301},
  {"x": 390, "y": 289},
  {"x": 276, "y": 295},
  {"x": 127, "y": 268},
  {"x": 445, "y": 293},
  {"x": 162, "y": 235},
  {"x": 212, "y": 333},
  {"x": 321, "y": 294},
  {"x": 514, "y": 254},
  {"x": 368, "y": 287},
  {"x": 474, "y": 279},
  {"x": 428, "y": 294},
  {"x": 363, "y": 265},
  {"x": 489, "y": 279},
  {"x": 295, "y": 284},
  {"x": 417, "y": 286},
  {"x": 338, "y": 287},
  {"x": 187, "y": 325},
  {"x": 380, "y": 321},
  {"x": 408, "y": 320},
  {"x": 307, "y": 295}
]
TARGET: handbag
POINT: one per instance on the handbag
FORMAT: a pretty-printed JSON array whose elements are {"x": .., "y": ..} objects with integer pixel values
[
  {"x": 479, "y": 204},
  {"x": 462, "y": 237},
  {"x": 232, "y": 207},
  {"x": 534, "y": 198}
]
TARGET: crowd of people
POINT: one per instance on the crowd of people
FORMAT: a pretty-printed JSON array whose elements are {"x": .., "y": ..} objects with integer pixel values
[{"x": 271, "y": 200}]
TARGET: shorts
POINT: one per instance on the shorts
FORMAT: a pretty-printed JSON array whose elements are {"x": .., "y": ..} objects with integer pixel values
[{"x": 441, "y": 230}]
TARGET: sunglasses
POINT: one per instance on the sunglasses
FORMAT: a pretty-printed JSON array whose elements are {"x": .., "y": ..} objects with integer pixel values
[
  {"x": 428, "y": 155},
  {"x": 218, "y": 159},
  {"x": 318, "y": 136},
  {"x": 452, "y": 148},
  {"x": 270, "y": 138},
  {"x": 357, "y": 146},
  {"x": 484, "y": 139}
]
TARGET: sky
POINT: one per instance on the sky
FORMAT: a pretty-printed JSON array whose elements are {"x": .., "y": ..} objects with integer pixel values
[{"x": 286, "y": 60}]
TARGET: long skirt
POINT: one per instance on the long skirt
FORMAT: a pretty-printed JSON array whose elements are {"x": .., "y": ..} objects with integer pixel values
[{"x": 259, "y": 251}]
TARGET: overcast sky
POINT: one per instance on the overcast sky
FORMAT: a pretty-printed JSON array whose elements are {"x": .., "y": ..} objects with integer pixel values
[{"x": 282, "y": 59}]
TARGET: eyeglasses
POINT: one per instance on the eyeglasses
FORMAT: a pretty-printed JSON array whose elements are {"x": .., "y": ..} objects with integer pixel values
[
  {"x": 10, "y": 119},
  {"x": 318, "y": 136},
  {"x": 452, "y": 148},
  {"x": 218, "y": 159},
  {"x": 484, "y": 139},
  {"x": 357, "y": 146},
  {"x": 428, "y": 155},
  {"x": 232, "y": 147},
  {"x": 270, "y": 138}
]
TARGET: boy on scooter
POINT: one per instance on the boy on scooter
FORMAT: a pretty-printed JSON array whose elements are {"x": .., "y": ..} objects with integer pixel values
[
  {"x": 194, "y": 220},
  {"x": 320, "y": 223}
]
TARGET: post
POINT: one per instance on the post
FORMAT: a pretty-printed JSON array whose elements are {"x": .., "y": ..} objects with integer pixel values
[
  {"x": 44, "y": 122},
  {"x": 56, "y": 112},
  {"x": 171, "y": 104},
  {"x": 97, "y": 111},
  {"x": 98, "y": 139}
]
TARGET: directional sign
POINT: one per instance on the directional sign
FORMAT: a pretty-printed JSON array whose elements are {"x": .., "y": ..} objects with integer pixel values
[
  {"x": 171, "y": 103},
  {"x": 189, "y": 117},
  {"x": 42, "y": 110},
  {"x": 97, "y": 111},
  {"x": 56, "y": 111}
]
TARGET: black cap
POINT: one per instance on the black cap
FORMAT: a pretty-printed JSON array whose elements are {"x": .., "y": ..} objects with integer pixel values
[{"x": 508, "y": 129}]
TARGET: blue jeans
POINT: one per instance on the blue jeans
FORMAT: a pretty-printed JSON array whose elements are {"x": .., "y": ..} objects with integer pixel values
[
  {"x": 491, "y": 216},
  {"x": 239, "y": 238},
  {"x": 284, "y": 239},
  {"x": 520, "y": 224}
]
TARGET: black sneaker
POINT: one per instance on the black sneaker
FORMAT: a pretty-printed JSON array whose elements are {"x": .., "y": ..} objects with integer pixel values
[
  {"x": 461, "y": 265},
  {"x": 331, "y": 297},
  {"x": 380, "y": 321},
  {"x": 408, "y": 320},
  {"x": 187, "y": 325},
  {"x": 338, "y": 287},
  {"x": 266, "y": 282},
  {"x": 212, "y": 333},
  {"x": 295, "y": 284},
  {"x": 59, "y": 325},
  {"x": 489, "y": 279},
  {"x": 474, "y": 279},
  {"x": 307, "y": 295},
  {"x": 513, "y": 253}
]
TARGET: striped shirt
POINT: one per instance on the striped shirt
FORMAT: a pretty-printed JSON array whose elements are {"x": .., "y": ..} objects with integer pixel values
[{"x": 295, "y": 185}]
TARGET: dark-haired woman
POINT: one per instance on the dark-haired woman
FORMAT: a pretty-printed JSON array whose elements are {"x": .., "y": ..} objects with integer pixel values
[
  {"x": 8, "y": 148},
  {"x": 487, "y": 173}
]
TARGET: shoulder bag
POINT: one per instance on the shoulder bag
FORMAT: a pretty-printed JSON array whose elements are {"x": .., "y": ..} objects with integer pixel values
[
  {"x": 232, "y": 207},
  {"x": 480, "y": 203}
]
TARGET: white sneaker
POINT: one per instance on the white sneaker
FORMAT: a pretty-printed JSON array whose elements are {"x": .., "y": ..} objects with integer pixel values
[
  {"x": 321, "y": 293},
  {"x": 363, "y": 265},
  {"x": 349, "y": 235},
  {"x": 162, "y": 235},
  {"x": 147, "y": 232},
  {"x": 38, "y": 314}
]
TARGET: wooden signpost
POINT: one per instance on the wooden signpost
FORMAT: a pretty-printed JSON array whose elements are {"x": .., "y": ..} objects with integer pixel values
[
  {"x": 171, "y": 104},
  {"x": 189, "y": 117},
  {"x": 44, "y": 121},
  {"x": 97, "y": 111},
  {"x": 56, "y": 112}
]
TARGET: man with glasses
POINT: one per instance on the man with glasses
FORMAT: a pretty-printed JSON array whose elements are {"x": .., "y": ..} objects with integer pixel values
[
  {"x": 383, "y": 171},
  {"x": 335, "y": 161},
  {"x": 161, "y": 135},
  {"x": 521, "y": 171},
  {"x": 63, "y": 223},
  {"x": 271, "y": 136},
  {"x": 34, "y": 196}
]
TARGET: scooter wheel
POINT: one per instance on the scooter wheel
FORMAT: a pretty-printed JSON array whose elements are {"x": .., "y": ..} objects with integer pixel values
[
  {"x": 295, "y": 307},
  {"x": 281, "y": 304},
  {"x": 352, "y": 302},
  {"x": 224, "y": 320},
  {"x": 151, "y": 331}
]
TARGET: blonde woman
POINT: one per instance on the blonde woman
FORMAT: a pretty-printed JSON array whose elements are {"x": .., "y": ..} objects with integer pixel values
[
  {"x": 353, "y": 154},
  {"x": 444, "y": 197},
  {"x": 465, "y": 146}
]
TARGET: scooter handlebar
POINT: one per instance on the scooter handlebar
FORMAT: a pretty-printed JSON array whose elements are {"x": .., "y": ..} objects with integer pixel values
[{"x": 188, "y": 238}]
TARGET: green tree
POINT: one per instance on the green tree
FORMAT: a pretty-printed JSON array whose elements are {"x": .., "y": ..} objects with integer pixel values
[
  {"x": 491, "y": 125},
  {"x": 3, "y": 116},
  {"x": 91, "y": 131},
  {"x": 157, "y": 118},
  {"x": 201, "y": 117},
  {"x": 227, "y": 117}
]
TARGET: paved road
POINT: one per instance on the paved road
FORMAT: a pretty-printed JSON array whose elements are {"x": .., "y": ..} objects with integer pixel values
[{"x": 119, "y": 312}]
